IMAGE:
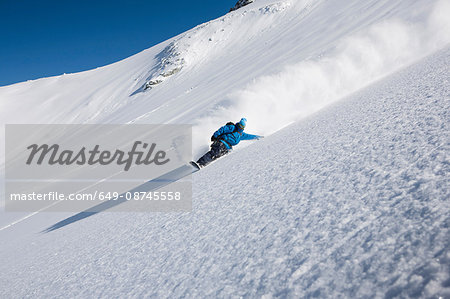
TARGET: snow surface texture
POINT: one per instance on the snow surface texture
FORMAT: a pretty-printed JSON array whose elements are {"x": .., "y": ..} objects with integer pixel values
[{"x": 350, "y": 202}]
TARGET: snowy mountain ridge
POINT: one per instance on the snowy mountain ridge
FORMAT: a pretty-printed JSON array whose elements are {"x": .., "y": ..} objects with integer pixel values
[
  {"x": 240, "y": 3},
  {"x": 205, "y": 42}
]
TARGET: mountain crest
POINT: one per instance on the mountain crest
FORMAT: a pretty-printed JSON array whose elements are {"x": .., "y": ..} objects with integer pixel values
[{"x": 240, "y": 4}]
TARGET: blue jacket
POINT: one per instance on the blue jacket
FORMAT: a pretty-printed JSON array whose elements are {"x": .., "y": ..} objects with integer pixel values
[{"x": 230, "y": 135}]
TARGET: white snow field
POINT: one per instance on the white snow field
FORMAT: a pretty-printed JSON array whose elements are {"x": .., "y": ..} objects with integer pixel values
[
  {"x": 346, "y": 197},
  {"x": 350, "y": 202}
]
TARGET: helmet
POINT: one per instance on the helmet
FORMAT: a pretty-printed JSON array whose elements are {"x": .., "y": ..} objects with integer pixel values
[{"x": 241, "y": 124}]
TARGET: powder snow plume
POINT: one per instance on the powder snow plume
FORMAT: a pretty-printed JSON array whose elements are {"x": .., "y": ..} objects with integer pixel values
[{"x": 274, "y": 101}]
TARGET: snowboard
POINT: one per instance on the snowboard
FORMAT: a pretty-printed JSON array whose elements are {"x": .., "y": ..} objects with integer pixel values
[{"x": 195, "y": 165}]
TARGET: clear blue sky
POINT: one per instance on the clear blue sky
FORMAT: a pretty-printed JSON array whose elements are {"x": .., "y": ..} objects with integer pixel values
[{"x": 46, "y": 38}]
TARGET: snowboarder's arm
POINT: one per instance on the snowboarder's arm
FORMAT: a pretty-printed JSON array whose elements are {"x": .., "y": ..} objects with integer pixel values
[{"x": 246, "y": 136}]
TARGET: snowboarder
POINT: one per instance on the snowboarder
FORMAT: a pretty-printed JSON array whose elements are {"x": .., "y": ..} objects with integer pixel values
[{"x": 224, "y": 139}]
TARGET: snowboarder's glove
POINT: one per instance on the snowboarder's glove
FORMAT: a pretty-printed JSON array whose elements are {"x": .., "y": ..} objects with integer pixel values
[{"x": 213, "y": 138}]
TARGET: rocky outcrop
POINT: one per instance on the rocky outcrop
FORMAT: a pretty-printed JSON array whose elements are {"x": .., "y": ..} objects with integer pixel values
[
  {"x": 240, "y": 4},
  {"x": 170, "y": 63}
]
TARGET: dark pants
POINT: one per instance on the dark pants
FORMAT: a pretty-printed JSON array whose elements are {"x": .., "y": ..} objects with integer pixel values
[{"x": 218, "y": 149}]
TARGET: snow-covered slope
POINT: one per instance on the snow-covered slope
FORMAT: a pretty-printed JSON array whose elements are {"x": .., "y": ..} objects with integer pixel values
[
  {"x": 347, "y": 201},
  {"x": 350, "y": 202},
  {"x": 272, "y": 61}
]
